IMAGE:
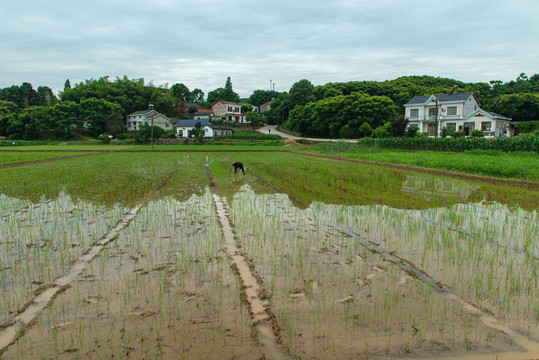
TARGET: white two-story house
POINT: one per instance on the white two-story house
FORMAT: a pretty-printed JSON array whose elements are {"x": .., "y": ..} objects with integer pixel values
[
  {"x": 150, "y": 116},
  {"x": 457, "y": 112},
  {"x": 228, "y": 111}
]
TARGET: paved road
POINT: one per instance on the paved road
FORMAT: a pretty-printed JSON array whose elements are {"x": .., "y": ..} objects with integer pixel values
[{"x": 272, "y": 129}]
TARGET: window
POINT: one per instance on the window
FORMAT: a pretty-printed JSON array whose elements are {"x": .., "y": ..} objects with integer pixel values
[
  {"x": 451, "y": 126},
  {"x": 432, "y": 111},
  {"x": 451, "y": 110},
  {"x": 180, "y": 133},
  {"x": 486, "y": 126},
  {"x": 166, "y": 124},
  {"x": 414, "y": 113}
]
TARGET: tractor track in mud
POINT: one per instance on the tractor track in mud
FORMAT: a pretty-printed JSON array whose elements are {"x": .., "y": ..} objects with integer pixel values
[
  {"x": 16, "y": 326},
  {"x": 24, "y": 163},
  {"x": 486, "y": 316},
  {"x": 253, "y": 292}
]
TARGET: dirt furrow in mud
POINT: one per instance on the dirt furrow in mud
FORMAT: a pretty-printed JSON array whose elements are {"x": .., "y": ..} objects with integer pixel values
[
  {"x": 253, "y": 292},
  {"x": 15, "y": 327},
  {"x": 24, "y": 163},
  {"x": 414, "y": 271}
]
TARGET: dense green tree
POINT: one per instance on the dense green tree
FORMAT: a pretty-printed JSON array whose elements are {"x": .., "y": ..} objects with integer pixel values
[
  {"x": 301, "y": 93},
  {"x": 224, "y": 94},
  {"x": 197, "y": 95},
  {"x": 259, "y": 97},
  {"x": 520, "y": 107},
  {"x": 280, "y": 107},
  {"x": 326, "y": 117},
  {"x": 181, "y": 92}
]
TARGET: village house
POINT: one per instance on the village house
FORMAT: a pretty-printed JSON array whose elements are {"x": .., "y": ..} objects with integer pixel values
[
  {"x": 265, "y": 107},
  {"x": 228, "y": 111},
  {"x": 456, "y": 112},
  {"x": 137, "y": 118},
  {"x": 184, "y": 128}
]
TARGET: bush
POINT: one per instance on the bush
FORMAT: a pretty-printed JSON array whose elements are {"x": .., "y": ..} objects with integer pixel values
[
  {"x": 527, "y": 127},
  {"x": 125, "y": 136},
  {"x": 412, "y": 131},
  {"x": 365, "y": 130},
  {"x": 105, "y": 138},
  {"x": 383, "y": 131},
  {"x": 457, "y": 134},
  {"x": 477, "y": 133}
]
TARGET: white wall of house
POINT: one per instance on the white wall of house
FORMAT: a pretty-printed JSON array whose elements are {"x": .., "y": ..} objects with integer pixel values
[
  {"x": 134, "y": 122},
  {"x": 470, "y": 105}
]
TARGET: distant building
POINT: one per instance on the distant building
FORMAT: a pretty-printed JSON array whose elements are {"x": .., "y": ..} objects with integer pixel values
[
  {"x": 184, "y": 128},
  {"x": 265, "y": 107},
  {"x": 137, "y": 118},
  {"x": 457, "y": 112},
  {"x": 228, "y": 111}
]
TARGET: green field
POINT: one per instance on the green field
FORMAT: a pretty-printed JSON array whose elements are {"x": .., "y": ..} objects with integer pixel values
[
  {"x": 171, "y": 254},
  {"x": 510, "y": 165}
]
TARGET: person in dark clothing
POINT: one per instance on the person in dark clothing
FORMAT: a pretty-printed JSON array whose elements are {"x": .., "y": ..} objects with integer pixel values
[{"x": 237, "y": 165}]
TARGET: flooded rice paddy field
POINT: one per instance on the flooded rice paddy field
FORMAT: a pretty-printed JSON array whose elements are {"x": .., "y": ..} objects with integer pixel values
[{"x": 171, "y": 255}]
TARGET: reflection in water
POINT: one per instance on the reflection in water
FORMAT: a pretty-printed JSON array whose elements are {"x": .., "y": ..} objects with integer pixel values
[{"x": 447, "y": 189}]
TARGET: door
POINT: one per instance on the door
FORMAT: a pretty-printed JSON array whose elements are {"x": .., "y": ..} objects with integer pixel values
[{"x": 431, "y": 130}]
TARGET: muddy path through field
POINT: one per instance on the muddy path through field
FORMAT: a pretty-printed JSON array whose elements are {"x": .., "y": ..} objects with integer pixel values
[
  {"x": 253, "y": 291},
  {"x": 26, "y": 163},
  {"x": 17, "y": 325}
]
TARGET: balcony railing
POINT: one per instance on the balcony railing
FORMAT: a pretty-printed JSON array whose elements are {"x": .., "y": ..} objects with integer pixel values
[{"x": 433, "y": 117}]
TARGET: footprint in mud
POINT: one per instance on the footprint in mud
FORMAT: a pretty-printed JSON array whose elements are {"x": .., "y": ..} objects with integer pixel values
[
  {"x": 140, "y": 314},
  {"x": 297, "y": 293},
  {"x": 64, "y": 326},
  {"x": 188, "y": 295},
  {"x": 346, "y": 299},
  {"x": 404, "y": 280}
]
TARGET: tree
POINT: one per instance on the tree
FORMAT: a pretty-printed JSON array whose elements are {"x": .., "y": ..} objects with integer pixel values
[
  {"x": 520, "y": 107},
  {"x": 254, "y": 118},
  {"x": 197, "y": 95},
  {"x": 181, "y": 92},
  {"x": 301, "y": 93},
  {"x": 67, "y": 84},
  {"x": 198, "y": 133},
  {"x": 259, "y": 97},
  {"x": 225, "y": 94},
  {"x": 325, "y": 118},
  {"x": 399, "y": 126},
  {"x": 365, "y": 130}
]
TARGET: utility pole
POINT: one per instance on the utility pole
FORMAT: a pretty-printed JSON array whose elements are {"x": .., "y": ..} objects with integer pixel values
[
  {"x": 436, "y": 121},
  {"x": 152, "y": 132}
]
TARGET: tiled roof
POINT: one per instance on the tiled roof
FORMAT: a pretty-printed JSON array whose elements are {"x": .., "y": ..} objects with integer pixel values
[
  {"x": 461, "y": 96},
  {"x": 190, "y": 122}
]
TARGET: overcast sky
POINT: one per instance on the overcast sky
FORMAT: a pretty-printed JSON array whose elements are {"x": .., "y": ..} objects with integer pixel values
[{"x": 200, "y": 43}]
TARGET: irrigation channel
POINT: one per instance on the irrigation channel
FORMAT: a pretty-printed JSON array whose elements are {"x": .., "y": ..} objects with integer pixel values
[
  {"x": 45, "y": 295},
  {"x": 167, "y": 256}
]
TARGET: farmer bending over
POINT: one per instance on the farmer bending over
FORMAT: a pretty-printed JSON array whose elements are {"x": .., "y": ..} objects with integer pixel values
[{"x": 237, "y": 165}]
